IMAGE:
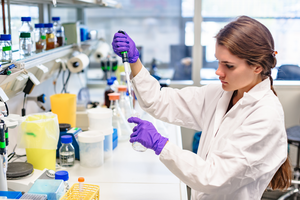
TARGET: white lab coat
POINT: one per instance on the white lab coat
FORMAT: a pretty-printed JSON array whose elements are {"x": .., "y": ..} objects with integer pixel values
[{"x": 239, "y": 151}]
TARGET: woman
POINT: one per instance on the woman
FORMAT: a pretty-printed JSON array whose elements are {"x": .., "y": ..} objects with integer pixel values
[{"x": 243, "y": 142}]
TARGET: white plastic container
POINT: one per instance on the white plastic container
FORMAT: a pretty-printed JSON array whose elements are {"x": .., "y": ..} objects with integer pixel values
[
  {"x": 91, "y": 148},
  {"x": 100, "y": 118}
]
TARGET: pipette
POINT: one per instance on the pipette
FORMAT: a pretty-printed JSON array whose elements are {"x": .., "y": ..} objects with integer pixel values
[{"x": 126, "y": 67}]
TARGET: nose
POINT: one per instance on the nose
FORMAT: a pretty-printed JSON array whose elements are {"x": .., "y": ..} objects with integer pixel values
[{"x": 219, "y": 72}]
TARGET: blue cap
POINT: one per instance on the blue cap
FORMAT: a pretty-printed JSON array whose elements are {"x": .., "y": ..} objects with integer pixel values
[
  {"x": 5, "y": 37},
  {"x": 66, "y": 139},
  {"x": 55, "y": 18},
  {"x": 39, "y": 25},
  {"x": 49, "y": 25},
  {"x": 62, "y": 175},
  {"x": 110, "y": 81},
  {"x": 25, "y": 19},
  {"x": 113, "y": 78}
]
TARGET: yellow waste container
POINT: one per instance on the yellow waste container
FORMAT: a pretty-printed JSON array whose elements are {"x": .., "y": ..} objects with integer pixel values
[
  {"x": 39, "y": 135},
  {"x": 64, "y": 105}
]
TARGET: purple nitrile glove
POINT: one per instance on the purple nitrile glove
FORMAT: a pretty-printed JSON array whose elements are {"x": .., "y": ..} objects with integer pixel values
[
  {"x": 146, "y": 134},
  {"x": 122, "y": 43}
]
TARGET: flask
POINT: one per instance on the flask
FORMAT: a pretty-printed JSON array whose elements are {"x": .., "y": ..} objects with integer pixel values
[
  {"x": 63, "y": 175},
  {"x": 107, "y": 91},
  {"x": 66, "y": 151},
  {"x": 59, "y": 31},
  {"x": 118, "y": 119},
  {"x": 50, "y": 37},
  {"x": 27, "y": 28},
  {"x": 25, "y": 45},
  {"x": 124, "y": 101},
  {"x": 5, "y": 46},
  {"x": 40, "y": 38}
]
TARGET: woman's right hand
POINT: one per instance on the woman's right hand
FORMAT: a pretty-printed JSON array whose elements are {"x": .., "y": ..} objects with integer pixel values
[{"x": 122, "y": 42}]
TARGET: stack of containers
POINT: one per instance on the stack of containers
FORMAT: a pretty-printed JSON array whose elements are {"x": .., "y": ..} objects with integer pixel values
[{"x": 100, "y": 120}]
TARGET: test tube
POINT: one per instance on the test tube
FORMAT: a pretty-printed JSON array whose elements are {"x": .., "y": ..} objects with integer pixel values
[{"x": 80, "y": 181}]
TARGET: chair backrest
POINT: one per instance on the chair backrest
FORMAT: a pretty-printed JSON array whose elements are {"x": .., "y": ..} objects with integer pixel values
[{"x": 288, "y": 72}]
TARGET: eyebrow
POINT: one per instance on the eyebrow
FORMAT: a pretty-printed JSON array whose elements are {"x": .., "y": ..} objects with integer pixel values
[{"x": 225, "y": 62}]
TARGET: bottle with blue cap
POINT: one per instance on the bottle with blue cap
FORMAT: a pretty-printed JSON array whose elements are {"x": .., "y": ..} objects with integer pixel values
[
  {"x": 59, "y": 31},
  {"x": 66, "y": 151},
  {"x": 108, "y": 89},
  {"x": 5, "y": 47},
  {"x": 27, "y": 28},
  {"x": 40, "y": 37},
  {"x": 50, "y": 36},
  {"x": 63, "y": 175},
  {"x": 25, "y": 44}
]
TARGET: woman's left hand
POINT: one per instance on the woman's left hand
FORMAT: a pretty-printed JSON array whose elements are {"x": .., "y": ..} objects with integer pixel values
[{"x": 146, "y": 134}]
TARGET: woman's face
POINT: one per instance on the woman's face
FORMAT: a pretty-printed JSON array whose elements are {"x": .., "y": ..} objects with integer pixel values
[{"x": 234, "y": 72}]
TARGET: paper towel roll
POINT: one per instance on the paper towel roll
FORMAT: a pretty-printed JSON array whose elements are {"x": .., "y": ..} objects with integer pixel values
[
  {"x": 102, "y": 51},
  {"x": 78, "y": 63}
]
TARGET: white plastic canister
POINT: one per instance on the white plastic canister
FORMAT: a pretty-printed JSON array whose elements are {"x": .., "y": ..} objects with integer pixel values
[
  {"x": 91, "y": 148},
  {"x": 108, "y": 142},
  {"x": 99, "y": 118}
]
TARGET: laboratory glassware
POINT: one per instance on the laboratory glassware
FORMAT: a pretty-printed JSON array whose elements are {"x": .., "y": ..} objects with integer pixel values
[
  {"x": 27, "y": 28},
  {"x": 25, "y": 45},
  {"x": 59, "y": 31},
  {"x": 124, "y": 101},
  {"x": 66, "y": 151},
  {"x": 136, "y": 145},
  {"x": 5, "y": 45},
  {"x": 107, "y": 91},
  {"x": 63, "y": 175},
  {"x": 50, "y": 36},
  {"x": 118, "y": 119},
  {"x": 40, "y": 38}
]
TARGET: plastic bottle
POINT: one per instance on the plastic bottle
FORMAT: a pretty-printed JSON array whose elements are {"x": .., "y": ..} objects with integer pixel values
[
  {"x": 118, "y": 120},
  {"x": 40, "y": 38},
  {"x": 25, "y": 45},
  {"x": 66, "y": 151},
  {"x": 59, "y": 31},
  {"x": 50, "y": 37},
  {"x": 107, "y": 91},
  {"x": 124, "y": 101},
  {"x": 63, "y": 175},
  {"x": 5, "y": 47},
  {"x": 27, "y": 28}
]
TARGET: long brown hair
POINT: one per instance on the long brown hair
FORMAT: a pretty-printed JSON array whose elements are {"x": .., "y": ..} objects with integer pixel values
[{"x": 250, "y": 40}]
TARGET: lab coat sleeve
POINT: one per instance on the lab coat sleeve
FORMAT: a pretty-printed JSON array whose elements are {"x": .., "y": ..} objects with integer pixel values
[
  {"x": 253, "y": 151},
  {"x": 185, "y": 107}
]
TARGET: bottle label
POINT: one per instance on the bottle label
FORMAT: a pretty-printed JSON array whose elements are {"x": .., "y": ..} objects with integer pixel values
[
  {"x": 70, "y": 159},
  {"x": 7, "y": 48}
]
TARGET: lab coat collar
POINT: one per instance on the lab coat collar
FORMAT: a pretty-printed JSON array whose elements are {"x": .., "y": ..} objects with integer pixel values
[{"x": 256, "y": 93}]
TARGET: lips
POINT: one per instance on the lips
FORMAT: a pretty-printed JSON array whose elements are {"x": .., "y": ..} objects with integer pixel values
[{"x": 223, "y": 82}]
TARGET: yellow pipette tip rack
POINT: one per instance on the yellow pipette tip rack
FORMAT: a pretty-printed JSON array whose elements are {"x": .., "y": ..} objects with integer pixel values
[{"x": 90, "y": 192}]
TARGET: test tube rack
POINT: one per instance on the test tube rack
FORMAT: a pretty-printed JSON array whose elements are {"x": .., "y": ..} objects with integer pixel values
[{"x": 90, "y": 192}]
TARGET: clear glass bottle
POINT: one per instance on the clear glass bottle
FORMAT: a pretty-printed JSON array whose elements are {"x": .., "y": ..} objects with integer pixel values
[
  {"x": 5, "y": 48},
  {"x": 25, "y": 45},
  {"x": 118, "y": 120},
  {"x": 27, "y": 28},
  {"x": 108, "y": 90},
  {"x": 124, "y": 101},
  {"x": 40, "y": 38},
  {"x": 66, "y": 151},
  {"x": 59, "y": 31},
  {"x": 63, "y": 175},
  {"x": 50, "y": 36}
]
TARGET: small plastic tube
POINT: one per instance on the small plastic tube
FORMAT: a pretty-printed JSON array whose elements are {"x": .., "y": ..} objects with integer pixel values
[{"x": 80, "y": 180}]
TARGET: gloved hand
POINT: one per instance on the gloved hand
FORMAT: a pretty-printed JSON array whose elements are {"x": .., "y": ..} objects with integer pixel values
[
  {"x": 146, "y": 134},
  {"x": 122, "y": 43}
]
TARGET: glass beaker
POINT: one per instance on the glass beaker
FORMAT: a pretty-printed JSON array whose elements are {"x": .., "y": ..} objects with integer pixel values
[{"x": 136, "y": 145}]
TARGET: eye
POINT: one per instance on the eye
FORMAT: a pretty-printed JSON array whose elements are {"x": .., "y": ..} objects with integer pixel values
[{"x": 229, "y": 66}]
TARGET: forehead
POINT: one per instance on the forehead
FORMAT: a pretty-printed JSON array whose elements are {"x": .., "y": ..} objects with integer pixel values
[{"x": 223, "y": 54}]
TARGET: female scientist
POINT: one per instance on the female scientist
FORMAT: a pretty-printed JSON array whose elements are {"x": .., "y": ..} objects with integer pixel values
[{"x": 243, "y": 146}]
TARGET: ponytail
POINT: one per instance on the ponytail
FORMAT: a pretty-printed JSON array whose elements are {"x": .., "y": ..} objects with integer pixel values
[{"x": 283, "y": 177}]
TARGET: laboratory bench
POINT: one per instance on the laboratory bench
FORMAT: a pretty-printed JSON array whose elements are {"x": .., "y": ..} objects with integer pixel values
[{"x": 129, "y": 174}]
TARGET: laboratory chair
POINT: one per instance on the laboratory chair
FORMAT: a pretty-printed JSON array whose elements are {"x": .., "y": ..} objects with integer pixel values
[
  {"x": 288, "y": 72},
  {"x": 293, "y": 135}
]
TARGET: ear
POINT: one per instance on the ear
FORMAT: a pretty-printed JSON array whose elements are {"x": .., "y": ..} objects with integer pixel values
[{"x": 258, "y": 69}]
